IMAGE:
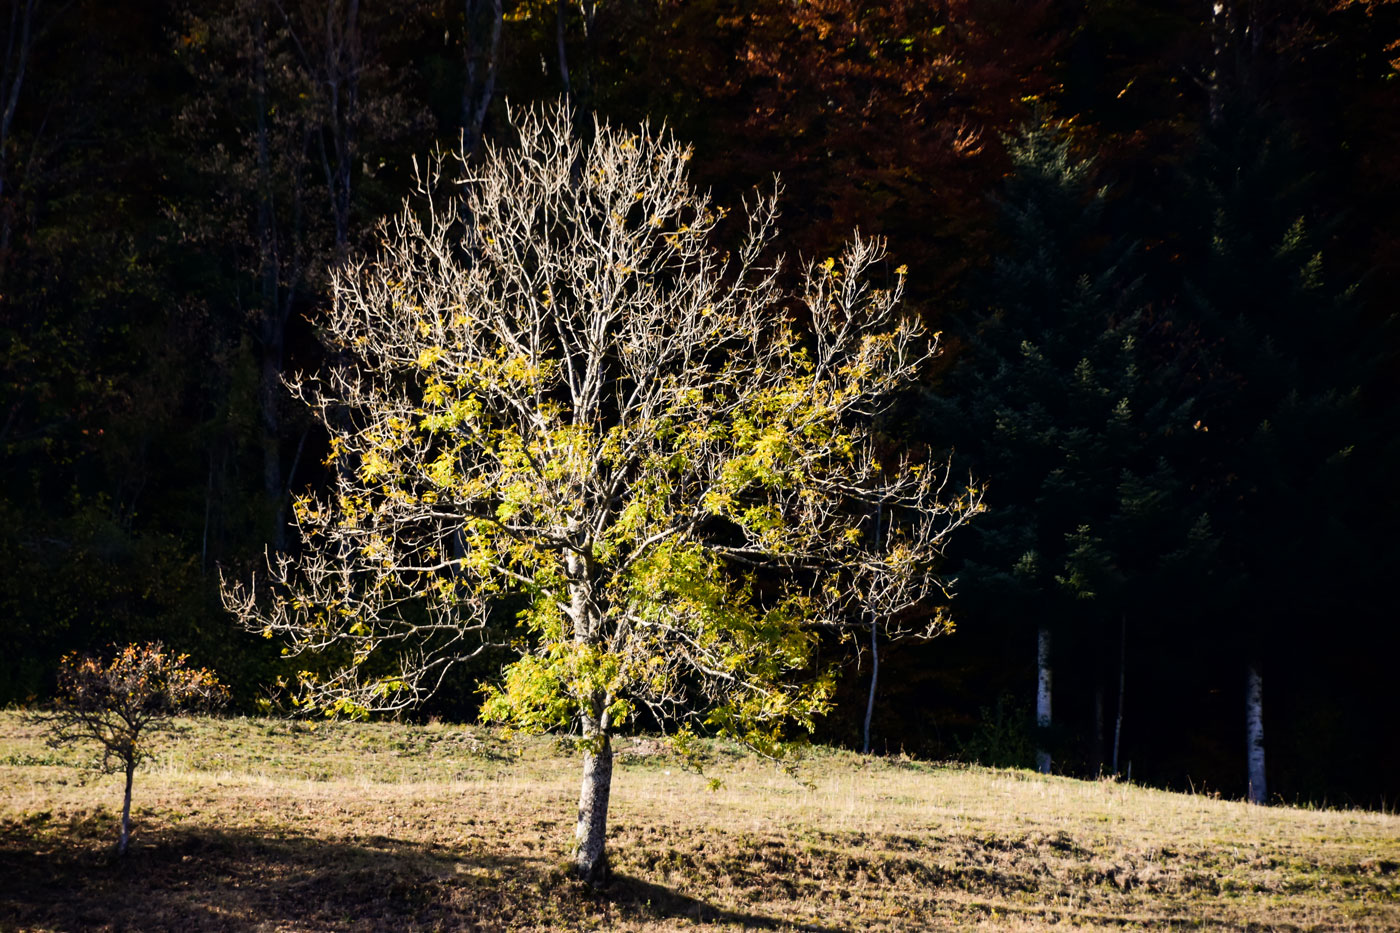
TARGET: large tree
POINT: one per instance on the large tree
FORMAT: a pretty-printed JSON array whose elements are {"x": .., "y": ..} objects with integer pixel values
[
  {"x": 556, "y": 388},
  {"x": 1282, "y": 360},
  {"x": 1053, "y": 402}
]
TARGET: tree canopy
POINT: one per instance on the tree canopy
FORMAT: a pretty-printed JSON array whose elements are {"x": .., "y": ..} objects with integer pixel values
[{"x": 556, "y": 387}]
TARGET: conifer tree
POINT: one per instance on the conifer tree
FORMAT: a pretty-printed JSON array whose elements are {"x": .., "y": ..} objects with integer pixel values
[
  {"x": 1280, "y": 365},
  {"x": 1052, "y": 406}
]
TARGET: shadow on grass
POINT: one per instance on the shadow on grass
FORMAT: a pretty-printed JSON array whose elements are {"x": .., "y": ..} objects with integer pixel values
[
  {"x": 65, "y": 877},
  {"x": 636, "y": 899}
]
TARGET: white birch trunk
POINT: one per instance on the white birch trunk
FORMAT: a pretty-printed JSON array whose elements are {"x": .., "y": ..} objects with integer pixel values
[
  {"x": 1042, "y": 696},
  {"x": 1122, "y": 684},
  {"x": 1254, "y": 733},
  {"x": 590, "y": 853}
]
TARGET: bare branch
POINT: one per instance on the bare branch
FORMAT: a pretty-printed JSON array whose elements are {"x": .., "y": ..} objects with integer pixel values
[{"x": 553, "y": 383}]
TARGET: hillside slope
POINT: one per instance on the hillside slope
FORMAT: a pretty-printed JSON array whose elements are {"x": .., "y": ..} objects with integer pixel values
[{"x": 266, "y": 825}]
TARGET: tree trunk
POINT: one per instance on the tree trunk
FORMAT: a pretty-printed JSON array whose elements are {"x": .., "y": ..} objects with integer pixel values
[
  {"x": 341, "y": 69},
  {"x": 1219, "y": 41},
  {"x": 584, "y": 71},
  {"x": 590, "y": 853},
  {"x": 874, "y": 679},
  {"x": 874, "y": 643},
  {"x": 480, "y": 86},
  {"x": 1042, "y": 698},
  {"x": 590, "y": 833},
  {"x": 1122, "y": 680},
  {"x": 125, "y": 838},
  {"x": 1254, "y": 732},
  {"x": 560, "y": 14},
  {"x": 208, "y": 507},
  {"x": 270, "y": 329},
  {"x": 17, "y": 43},
  {"x": 1098, "y": 725}
]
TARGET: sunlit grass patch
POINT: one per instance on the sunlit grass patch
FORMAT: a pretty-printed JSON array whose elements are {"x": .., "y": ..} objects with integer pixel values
[{"x": 262, "y": 824}]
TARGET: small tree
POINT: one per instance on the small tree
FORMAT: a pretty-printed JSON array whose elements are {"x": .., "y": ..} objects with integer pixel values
[
  {"x": 556, "y": 387},
  {"x": 121, "y": 705}
]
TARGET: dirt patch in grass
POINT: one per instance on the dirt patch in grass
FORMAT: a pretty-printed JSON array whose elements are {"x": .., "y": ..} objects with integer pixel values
[{"x": 255, "y": 825}]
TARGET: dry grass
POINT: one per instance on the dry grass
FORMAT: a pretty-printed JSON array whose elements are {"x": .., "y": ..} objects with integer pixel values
[{"x": 261, "y": 825}]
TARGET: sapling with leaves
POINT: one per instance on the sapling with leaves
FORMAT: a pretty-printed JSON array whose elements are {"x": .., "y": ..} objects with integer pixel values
[
  {"x": 552, "y": 385},
  {"x": 122, "y": 704}
]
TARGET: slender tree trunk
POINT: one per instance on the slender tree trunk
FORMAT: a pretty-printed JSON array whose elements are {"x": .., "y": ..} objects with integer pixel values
[
  {"x": 1220, "y": 42},
  {"x": 874, "y": 645},
  {"x": 1122, "y": 678},
  {"x": 208, "y": 508},
  {"x": 583, "y": 73},
  {"x": 561, "y": 13},
  {"x": 342, "y": 73},
  {"x": 271, "y": 398},
  {"x": 1098, "y": 725},
  {"x": 271, "y": 323},
  {"x": 125, "y": 838},
  {"x": 1042, "y": 697},
  {"x": 1099, "y": 742},
  {"x": 874, "y": 679},
  {"x": 480, "y": 86},
  {"x": 590, "y": 852},
  {"x": 1237, "y": 56},
  {"x": 1254, "y": 732},
  {"x": 17, "y": 43}
]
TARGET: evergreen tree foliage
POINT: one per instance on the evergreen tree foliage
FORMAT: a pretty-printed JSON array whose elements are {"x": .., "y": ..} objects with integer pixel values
[
  {"x": 1055, "y": 405},
  {"x": 1281, "y": 361}
]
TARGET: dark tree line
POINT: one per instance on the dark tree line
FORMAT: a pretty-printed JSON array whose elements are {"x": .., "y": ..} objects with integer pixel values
[{"x": 1160, "y": 240}]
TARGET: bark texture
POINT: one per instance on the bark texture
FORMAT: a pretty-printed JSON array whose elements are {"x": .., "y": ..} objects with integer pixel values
[
  {"x": 1254, "y": 733},
  {"x": 874, "y": 646},
  {"x": 590, "y": 853},
  {"x": 125, "y": 838},
  {"x": 482, "y": 48},
  {"x": 1122, "y": 685},
  {"x": 1042, "y": 697},
  {"x": 874, "y": 681}
]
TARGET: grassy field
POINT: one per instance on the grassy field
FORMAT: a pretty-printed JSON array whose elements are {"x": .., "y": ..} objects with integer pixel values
[{"x": 266, "y": 825}]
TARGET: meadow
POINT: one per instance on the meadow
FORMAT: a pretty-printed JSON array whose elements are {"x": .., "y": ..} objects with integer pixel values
[{"x": 260, "y": 824}]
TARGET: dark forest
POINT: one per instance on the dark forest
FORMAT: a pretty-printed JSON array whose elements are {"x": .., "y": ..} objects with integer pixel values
[{"x": 1160, "y": 242}]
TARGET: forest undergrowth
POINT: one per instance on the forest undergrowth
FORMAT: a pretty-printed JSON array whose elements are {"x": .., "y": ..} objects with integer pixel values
[{"x": 256, "y": 824}]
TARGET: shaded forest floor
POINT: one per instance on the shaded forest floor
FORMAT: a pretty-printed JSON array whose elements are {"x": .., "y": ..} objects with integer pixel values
[{"x": 267, "y": 825}]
